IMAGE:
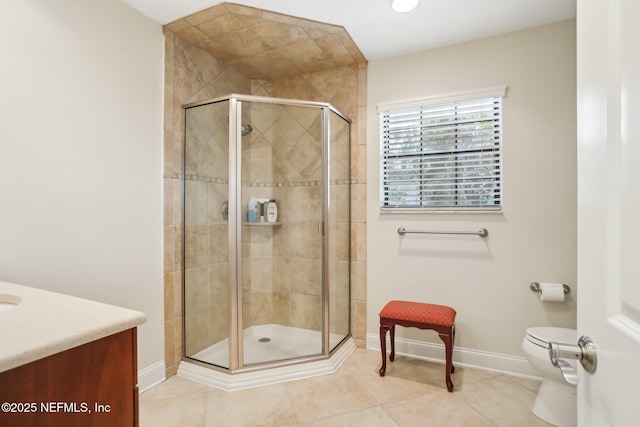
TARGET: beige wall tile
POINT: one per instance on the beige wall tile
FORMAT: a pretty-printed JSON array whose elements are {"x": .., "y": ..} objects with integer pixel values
[
  {"x": 306, "y": 311},
  {"x": 177, "y": 26},
  {"x": 178, "y": 294},
  {"x": 307, "y": 203},
  {"x": 359, "y": 242},
  {"x": 196, "y": 289},
  {"x": 217, "y": 195},
  {"x": 306, "y": 276},
  {"x": 178, "y": 327},
  {"x": 220, "y": 25},
  {"x": 361, "y": 331},
  {"x": 277, "y": 34},
  {"x": 339, "y": 242},
  {"x": 196, "y": 246},
  {"x": 197, "y": 325},
  {"x": 281, "y": 236},
  {"x": 305, "y": 156},
  {"x": 353, "y": 306},
  {"x": 219, "y": 318},
  {"x": 282, "y": 274},
  {"x": 169, "y": 343},
  {"x": 169, "y": 296},
  {"x": 305, "y": 241},
  {"x": 339, "y": 320},
  {"x": 193, "y": 35},
  {"x": 177, "y": 202},
  {"x": 339, "y": 279},
  {"x": 218, "y": 283},
  {"x": 218, "y": 243},
  {"x": 265, "y": 307},
  {"x": 169, "y": 257},
  {"x": 257, "y": 274},
  {"x": 362, "y": 86},
  {"x": 168, "y": 153},
  {"x": 359, "y": 281},
  {"x": 196, "y": 212},
  {"x": 339, "y": 208},
  {"x": 257, "y": 242},
  {"x": 359, "y": 203},
  {"x": 206, "y": 15},
  {"x": 167, "y": 201}
]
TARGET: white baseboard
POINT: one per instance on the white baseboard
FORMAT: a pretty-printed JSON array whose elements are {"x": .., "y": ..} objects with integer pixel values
[
  {"x": 507, "y": 364},
  {"x": 244, "y": 380},
  {"x": 151, "y": 376}
]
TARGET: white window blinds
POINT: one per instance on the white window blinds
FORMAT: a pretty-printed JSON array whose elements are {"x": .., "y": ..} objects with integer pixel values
[{"x": 442, "y": 156}]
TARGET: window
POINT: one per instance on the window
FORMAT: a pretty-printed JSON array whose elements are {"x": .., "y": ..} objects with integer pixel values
[{"x": 442, "y": 153}]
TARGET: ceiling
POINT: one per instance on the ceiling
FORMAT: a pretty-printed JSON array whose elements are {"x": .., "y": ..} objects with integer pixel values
[{"x": 380, "y": 32}]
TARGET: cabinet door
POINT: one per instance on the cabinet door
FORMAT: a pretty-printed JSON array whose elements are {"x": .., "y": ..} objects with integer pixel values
[{"x": 94, "y": 384}]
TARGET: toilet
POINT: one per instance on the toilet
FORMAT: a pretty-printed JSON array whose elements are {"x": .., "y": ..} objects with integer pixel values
[{"x": 556, "y": 400}]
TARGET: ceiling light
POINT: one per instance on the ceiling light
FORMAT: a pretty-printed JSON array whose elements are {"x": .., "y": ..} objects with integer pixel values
[{"x": 404, "y": 5}]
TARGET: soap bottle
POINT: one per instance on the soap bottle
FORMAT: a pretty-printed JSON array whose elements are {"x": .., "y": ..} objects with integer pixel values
[
  {"x": 272, "y": 211},
  {"x": 252, "y": 212}
]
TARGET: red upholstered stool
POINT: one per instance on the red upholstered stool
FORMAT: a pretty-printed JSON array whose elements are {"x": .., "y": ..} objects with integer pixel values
[{"x": 418, "y": 315}]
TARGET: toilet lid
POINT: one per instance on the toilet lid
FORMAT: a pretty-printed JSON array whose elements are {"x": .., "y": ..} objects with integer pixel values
[{"x": 543, "y": 334}]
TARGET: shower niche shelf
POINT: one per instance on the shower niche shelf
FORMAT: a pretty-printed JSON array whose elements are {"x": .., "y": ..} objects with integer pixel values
[{"x": 263, "y": 224}]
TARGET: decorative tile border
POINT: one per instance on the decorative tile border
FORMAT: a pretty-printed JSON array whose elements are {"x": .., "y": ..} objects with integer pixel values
[{"x": 199, "y": 178}]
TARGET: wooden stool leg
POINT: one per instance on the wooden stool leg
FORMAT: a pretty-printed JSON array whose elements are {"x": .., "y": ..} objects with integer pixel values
[
  {"x": 448, "y": 347},
  {"x": 453, "y": 340},
  {"x": 383, "y": 347},
  {"x": 393, "y": 342}
]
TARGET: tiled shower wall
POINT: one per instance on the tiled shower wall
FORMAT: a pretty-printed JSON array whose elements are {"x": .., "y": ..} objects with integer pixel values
[
  {"x": 281, "y": 161},
  {"x": 193, "y": 75}
]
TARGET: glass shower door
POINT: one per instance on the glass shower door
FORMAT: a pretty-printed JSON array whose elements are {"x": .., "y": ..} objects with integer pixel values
[
  {"x": 339, "y": 229},
  {"x": 282, "y": 314},
  {"x": 206, "y": 269}
]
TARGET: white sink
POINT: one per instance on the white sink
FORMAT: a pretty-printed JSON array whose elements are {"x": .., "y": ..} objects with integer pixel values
[{"x": 8, "y": 301}]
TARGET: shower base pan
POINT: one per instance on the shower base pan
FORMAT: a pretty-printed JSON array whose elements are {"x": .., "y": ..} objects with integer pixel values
[{"x": 264, "y": 344}]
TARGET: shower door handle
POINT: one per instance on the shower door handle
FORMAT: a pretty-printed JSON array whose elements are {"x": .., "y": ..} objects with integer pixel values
[
  {"x": 224, "y": 209},
  {"x": 585, "y": 352}
]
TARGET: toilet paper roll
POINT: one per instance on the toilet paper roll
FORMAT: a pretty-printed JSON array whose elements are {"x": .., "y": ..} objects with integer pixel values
[{"x": 551, "y": 292}]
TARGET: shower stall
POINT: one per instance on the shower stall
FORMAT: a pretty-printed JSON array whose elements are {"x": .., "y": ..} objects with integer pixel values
[{"x": 263, "y": 291}]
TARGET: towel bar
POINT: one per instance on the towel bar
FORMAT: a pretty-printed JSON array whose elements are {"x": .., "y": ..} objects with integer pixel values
[{"x": 482, "y": 232}]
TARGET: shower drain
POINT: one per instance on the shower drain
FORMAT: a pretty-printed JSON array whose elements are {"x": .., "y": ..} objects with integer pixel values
[{"x": 265, "y": 339}]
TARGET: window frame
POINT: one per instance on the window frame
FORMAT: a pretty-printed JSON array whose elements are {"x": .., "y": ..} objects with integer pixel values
[{"x": 443, "y": 100}]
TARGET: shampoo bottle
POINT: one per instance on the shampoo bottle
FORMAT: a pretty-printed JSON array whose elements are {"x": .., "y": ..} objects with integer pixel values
[{"x": 272, "y": 211}]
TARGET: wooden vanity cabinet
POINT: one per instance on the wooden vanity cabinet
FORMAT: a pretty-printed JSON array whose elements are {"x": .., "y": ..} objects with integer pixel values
[{"x": 94, "y": 384}]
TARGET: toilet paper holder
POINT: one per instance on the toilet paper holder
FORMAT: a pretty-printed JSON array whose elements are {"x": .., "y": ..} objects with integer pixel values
[{"x": 535, "y": 287}]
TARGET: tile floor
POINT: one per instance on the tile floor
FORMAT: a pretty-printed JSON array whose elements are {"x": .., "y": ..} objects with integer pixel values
[{"x": 412, "y": 393}]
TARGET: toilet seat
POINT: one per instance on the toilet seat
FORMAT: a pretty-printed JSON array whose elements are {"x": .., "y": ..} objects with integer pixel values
[{"x": 541, "y": 335}]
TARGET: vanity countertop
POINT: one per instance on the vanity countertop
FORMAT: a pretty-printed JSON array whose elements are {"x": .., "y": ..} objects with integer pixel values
[{"x": 44, "y": 323}]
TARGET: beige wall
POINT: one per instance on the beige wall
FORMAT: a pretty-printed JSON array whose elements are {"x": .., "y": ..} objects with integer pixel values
[
  {"x": 81, "y": 155},
  {"x": 533, "y": 239}
]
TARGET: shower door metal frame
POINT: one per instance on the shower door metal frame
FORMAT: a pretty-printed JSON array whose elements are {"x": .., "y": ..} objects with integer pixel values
[
  {"x": 236, "y": 363},
  {"x": 235, "y": 236},
  {"x": 326, "y": 188}
]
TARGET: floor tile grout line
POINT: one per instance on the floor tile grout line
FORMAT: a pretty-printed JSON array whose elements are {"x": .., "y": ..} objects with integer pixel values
[{"x": 354, "y": 374}]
